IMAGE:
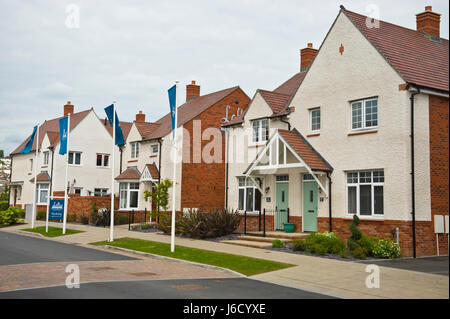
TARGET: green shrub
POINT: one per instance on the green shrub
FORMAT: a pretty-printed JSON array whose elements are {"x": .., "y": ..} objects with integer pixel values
[
  {"x": 120, "y": 220},
  {"x": 277, "y": 244},
  {"x": 356, "y": 233},
  {"x": 368, "y": 243},
  {"x": 41, "y": 215},
  {"x": 10, "y": 216},
  {"x": 84, "y": 219},
  {"x": 72, "y": 218},
  {"x": 299, "y": 245},
  {"x": 146, "y": 226},
  {"x": 198, "y": 224},
  {"x": 359, "y": 253},
  {"x": 3, "y": 206},
  {"x": 386, "y": 249}
]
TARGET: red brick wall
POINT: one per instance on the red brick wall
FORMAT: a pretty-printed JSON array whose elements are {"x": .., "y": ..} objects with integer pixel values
[
  {"x": 82, "y": 205},
  {"x": 438, "y": 113},
  {"x": 203, "y": 184}
]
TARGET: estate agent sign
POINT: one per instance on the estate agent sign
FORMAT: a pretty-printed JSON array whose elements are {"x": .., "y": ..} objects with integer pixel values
[{"x": 56, "y": 209}]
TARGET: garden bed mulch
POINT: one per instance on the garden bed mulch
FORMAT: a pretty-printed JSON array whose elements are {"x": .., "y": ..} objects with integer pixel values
[{"x": 288, "y": 249}]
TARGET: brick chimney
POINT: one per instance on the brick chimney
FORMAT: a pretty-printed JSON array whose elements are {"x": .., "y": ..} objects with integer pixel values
[
  {"x": 140, "y": 117},
  {"x": 68, "y": 108},
  {"x": 429, "y": 22},
  {"x": 306, "y": 56},
  {"x": 192, "y": 91}
]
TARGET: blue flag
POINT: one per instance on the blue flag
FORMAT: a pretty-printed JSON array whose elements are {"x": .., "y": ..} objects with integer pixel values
[
  {"x": 173, "y": 105},
  {"x": 29, "y": 145},
  {"x": 63, "y": 131},
  {"x": 119, "y": 134}
]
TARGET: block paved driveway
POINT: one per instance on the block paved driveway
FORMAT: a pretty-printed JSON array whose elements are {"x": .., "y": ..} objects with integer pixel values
[{"x": 32, "y": 267}]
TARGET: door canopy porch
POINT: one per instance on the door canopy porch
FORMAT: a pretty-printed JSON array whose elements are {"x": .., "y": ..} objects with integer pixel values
[
  {"x": 285, "y": 150},
  {"x": 150, "y": 173}
]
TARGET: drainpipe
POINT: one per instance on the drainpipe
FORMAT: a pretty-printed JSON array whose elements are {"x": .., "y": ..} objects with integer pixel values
[
  {"x": 51, "y": 170},
  {"x": 226, "y": 168},
  {"x": 10, "y": 180},
  {"x": 329, "y": 202},
  {"x": 414, "y": 92},
  {"x": 287, "y": 122}
]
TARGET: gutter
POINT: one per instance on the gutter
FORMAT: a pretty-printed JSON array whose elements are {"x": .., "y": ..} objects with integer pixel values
[
  {"x": 329, "y": 203},
  {"x": 414, "y": 92}
]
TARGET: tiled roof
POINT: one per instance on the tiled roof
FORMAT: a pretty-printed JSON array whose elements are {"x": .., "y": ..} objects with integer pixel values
[
  {"x": 290, "y": 86},
  {"x": 305, "y": 150},
  {"x": 41, "y": 177},
  {"x": 52, "y": 126},
  {"x": 153, "y": 170},
  {"x": 146, "y": 128},
  {"x": 130, "y": 173},
  {"x": 276, "y": 101},
  {"x": 188, "y": 111},
  {"x": 126, "y": 127},
  {"x": 418, "y": 59}
]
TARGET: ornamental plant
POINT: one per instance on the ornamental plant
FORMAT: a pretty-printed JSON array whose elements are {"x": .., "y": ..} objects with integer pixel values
[
  {"x": 10, "y": 216},
  {"x": 386, "y": 249},
  {"x": 277, "y": 244},
  {"x": 159, "y": 197}
]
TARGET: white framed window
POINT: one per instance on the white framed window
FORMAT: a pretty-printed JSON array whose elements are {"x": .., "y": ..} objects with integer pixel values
[
  {"x": 77, "y": 190},
  {"x": 42, "y": 193},
  {"x": 365, "y": 193},
  {"x": 364, "y": 114},
  {"x": 74, "y": 158},
  {"x": 260, "y": 130},
  {"x": 46, "y": 157},
  {"x": 249, "y": 195},
  {"x": 102, "y": 160},
  {"x": 100, "y": 191},
  {"x": 315, "y": 119},
  {"x": 155, "y": 149},
  {"x": 282, "y": 178},
  {"x": 129, "y": 195},
  {"x": 134, "y": 150}
]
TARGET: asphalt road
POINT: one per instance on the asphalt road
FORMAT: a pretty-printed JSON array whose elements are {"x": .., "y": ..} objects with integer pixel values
[
  {"x": 431, "y": 265},
  {"x": 19, "y": 249},
  {"x": 229, "y": 288}
]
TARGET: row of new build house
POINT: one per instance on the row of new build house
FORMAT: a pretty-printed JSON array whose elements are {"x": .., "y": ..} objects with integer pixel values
[{"x": 361, "y": 129}]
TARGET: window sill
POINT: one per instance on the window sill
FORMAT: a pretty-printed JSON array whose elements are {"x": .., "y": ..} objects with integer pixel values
[
  {"x": 155, "y": 155},
  {"x": 132, "y": 161},
  {"x": 362, "y": 132},
  {"x": 313, "y": 134},
  {"x": 366, "y": 218},
  {"x": 105, "y": 167}
]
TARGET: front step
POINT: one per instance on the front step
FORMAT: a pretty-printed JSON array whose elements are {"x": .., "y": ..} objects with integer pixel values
[
  {"x": 248, "y": 243},
  {"x": 263, "y": 239},
  {"x": 278, "y": 235}
]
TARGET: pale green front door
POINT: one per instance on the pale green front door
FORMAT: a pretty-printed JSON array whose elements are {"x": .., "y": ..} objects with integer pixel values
[
  {"x": 310, "y": 206},
  {"x": 282, "y": 203}
]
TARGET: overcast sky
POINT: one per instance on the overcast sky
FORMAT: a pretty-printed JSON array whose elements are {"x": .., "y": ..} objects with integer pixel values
[{"x": 133, "y": 51}]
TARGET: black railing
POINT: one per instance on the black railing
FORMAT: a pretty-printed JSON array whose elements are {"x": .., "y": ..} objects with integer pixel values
[{"x": 258, "y": 223}]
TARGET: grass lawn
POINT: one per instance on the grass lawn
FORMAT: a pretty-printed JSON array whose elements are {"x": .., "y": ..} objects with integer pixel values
[
  {"x": 52, "y": 231},
  {"x": 244, "y": 265}
]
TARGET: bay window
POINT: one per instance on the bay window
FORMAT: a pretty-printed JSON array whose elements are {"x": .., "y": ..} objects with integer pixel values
[
  {"x": 129, "y": 195},
  {"x": 249, "y": 195},
  {"x": 365, "y": 193},
  {"x": 42, "y": 193}
]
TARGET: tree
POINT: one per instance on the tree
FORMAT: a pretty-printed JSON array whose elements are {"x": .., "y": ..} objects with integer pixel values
[
  {"x": 2, "y": 154},
  {"x": 159, "y": 196}
]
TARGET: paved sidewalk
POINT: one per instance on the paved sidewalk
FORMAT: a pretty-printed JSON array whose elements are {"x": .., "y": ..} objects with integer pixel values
[{"x": 328, "y": 276}]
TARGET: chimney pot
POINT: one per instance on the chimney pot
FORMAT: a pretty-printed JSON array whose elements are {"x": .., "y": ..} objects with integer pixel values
[
  {"x": 68, "y": 109},
  {"x": 192, "y": 91},
  {"x": 306, "y": 56},
  {"x": 140, "y": 117},
  {"x": 429, "y": 22}
]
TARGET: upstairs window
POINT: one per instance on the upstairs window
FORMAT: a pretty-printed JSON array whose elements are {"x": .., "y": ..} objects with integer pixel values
[
  {"x": 75, "y": 158},
  {"x": 364, "y": 114},
  {"x": 46, "y": 156},
  {"x": 260, "y": 130},
  {"x": 134, "y": 150},
  {"x": 155, "y": 149},
  {"x": 315, "y": 120},
  {"x": 102, "y": 160}
]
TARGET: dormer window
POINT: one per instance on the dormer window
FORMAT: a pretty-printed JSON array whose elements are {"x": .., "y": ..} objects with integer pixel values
[{"x": 260, "y": 130}]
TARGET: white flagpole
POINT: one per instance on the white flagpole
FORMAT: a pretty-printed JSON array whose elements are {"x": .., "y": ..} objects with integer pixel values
[
  {"x": 66, "y": 198},
  {"x": 111, "y": 228},
  {"x": 33, "y": 217},
  {"x": 174, "y": 192}
]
